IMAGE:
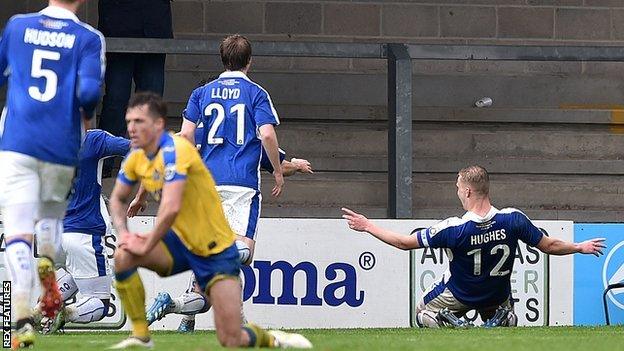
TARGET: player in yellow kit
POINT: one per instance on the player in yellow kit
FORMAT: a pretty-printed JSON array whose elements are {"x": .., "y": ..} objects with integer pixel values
[{"x": 190, "y": 231}]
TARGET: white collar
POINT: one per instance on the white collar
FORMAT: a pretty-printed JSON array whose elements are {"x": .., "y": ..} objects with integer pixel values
[
  {"x": 58, "y": 12},
  {"x": 471, "y": 216},
  {"x": 233, "y": 74}
]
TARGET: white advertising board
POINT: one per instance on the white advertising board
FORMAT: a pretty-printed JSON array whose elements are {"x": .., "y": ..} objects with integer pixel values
[{"x": 316, "y": 273}]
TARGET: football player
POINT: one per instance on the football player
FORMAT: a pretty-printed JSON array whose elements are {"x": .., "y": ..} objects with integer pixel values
[
  {"x": 85, "y": 225},
  {"x": 481, "y": 247},
  {"x": 54, "y": 65},
  {"x": 190, "y": 232}
]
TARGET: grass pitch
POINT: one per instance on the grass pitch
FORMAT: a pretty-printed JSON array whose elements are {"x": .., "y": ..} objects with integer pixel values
[{"x": 505, "y": 339}]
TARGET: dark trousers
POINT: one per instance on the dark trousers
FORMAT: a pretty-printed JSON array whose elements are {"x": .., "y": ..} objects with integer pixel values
[{"x": 148, "y": 73}]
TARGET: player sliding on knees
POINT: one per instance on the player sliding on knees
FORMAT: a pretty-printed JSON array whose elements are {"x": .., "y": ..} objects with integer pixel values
[
  {"x": 190, "y": 231},
  {"x": 481, "y": 247}
]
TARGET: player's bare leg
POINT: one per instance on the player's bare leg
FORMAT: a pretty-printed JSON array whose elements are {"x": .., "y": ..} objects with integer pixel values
[
  {"x": 132, "y": 293},
  {"x": 225, "y": 295}
]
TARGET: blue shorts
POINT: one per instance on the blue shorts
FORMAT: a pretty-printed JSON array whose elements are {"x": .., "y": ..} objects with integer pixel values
[{"x": 207, "y": 269}]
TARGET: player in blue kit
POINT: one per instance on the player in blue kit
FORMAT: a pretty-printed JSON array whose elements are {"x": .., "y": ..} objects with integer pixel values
[
  {"x": 85, "y": 226},
  {"x": 481, "y": 248},
  {"x": 54, "y": 65},
  {"x": 239, "y": 118}
]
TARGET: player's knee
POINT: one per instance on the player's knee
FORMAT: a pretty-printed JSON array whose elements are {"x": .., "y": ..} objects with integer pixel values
[
  {"x": 427, "y": 319},
  {"x": 123, "y": 260},
  {"x": 66, "y": 283},
  {"x": 244, "y": 252},
  {"x": 230, "y": 338}
]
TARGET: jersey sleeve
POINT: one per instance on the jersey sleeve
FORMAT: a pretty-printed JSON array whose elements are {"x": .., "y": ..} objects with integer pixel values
[
  {"x": 264, "y": 112},
  {"x": 115, "y": 146},
  {"x": 443, "y": 234},
  {"x": 177, "y": 161},
  {"x": 127, "y": 173},
  {"x": 91, "y": 68},
  {"x": 4, "y": 43},
  {"x": 192, "y": 112},
  {"x": 527, "y": 231},
  {"x": 265, "y": 162}
]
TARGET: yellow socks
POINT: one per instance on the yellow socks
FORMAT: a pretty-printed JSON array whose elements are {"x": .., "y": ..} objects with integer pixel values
[
  {"x": 259, "y": 337},
  {"x": 132, "y": 295}
]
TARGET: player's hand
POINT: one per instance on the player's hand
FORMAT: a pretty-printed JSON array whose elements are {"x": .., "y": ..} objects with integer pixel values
[
  {"x": 135, "y": 207},
  {"x": 355, "y": 220},
  {"x": 137, "y": 244},
  {"x": 302, "y": 165},
  {"x": 279, "y": 184},
  {"x": 122, "y": 238},
  {"x": 593, "y": 246}
]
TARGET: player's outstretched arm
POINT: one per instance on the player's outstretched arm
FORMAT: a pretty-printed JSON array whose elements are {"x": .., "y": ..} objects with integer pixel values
[
  {"x": 554, "y": 246},
  {"x": 296, "y": 165},
  {"x": 360, "y": 223}
]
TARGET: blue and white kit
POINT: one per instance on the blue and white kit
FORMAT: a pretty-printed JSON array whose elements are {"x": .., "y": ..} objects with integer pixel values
[
  {"x": 86, "y": 221},
  {"x": 54, "y": 65},
  {"x": 481, "y": 254},
  {"x": 231, "y": 109}
]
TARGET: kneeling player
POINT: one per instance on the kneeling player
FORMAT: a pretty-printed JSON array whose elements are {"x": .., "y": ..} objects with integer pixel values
[
  {"x": 481, "y": 247},
  {"x": 190, "y": 232},
  {"x": 192, "y": 301},
  {"x": 85, "y": 226}
]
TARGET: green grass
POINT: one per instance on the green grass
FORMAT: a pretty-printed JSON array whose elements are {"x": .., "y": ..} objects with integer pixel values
[{"x": 499, "y": 339}]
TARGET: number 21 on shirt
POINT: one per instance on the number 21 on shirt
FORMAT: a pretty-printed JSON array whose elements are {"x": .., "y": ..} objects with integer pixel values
[{"x": 238, "y": 109}]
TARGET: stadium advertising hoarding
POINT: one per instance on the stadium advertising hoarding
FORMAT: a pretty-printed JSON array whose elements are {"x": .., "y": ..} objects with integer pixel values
[
  {"x": 316, "y": 273},
  {"x": 529, "y": 279},
  {"x": 593, "y": 274}
]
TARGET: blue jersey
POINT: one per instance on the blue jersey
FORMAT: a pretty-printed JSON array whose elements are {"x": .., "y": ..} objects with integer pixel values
[
  {"x": 265, "y": 162},
  {"x": 481, "y": 253},
  {"x": 231, "y": 109},
  {"x": 83, "y": 212},
  {"x": 54, "y": 65}
]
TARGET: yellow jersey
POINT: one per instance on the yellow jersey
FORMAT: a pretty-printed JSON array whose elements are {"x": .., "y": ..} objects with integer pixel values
[{"x": 200, "y": 224}]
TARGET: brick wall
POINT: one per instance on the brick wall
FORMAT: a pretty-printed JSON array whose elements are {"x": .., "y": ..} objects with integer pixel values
[
  {"x": 519, "y": 22},
  {"x": 573, "y": 168}
]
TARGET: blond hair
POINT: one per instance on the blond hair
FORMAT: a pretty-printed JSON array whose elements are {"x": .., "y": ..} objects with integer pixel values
[{"x": 477, "y": 178}]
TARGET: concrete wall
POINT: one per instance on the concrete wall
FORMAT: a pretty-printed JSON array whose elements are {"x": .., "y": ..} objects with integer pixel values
[{"x": 552, "y": 140}]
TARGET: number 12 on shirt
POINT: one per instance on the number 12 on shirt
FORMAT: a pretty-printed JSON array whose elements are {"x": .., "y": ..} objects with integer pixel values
[{"x": 239, "y": 109}]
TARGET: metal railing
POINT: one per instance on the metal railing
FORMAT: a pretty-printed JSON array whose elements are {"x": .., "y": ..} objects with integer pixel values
[{"x": 399, "y": 57}]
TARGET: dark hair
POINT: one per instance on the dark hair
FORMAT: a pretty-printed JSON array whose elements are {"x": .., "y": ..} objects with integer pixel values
[
  {"x": 156, "y": 107},
  {"x": 235, "y": 52},
  {"x": 477, "y": 177}
]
